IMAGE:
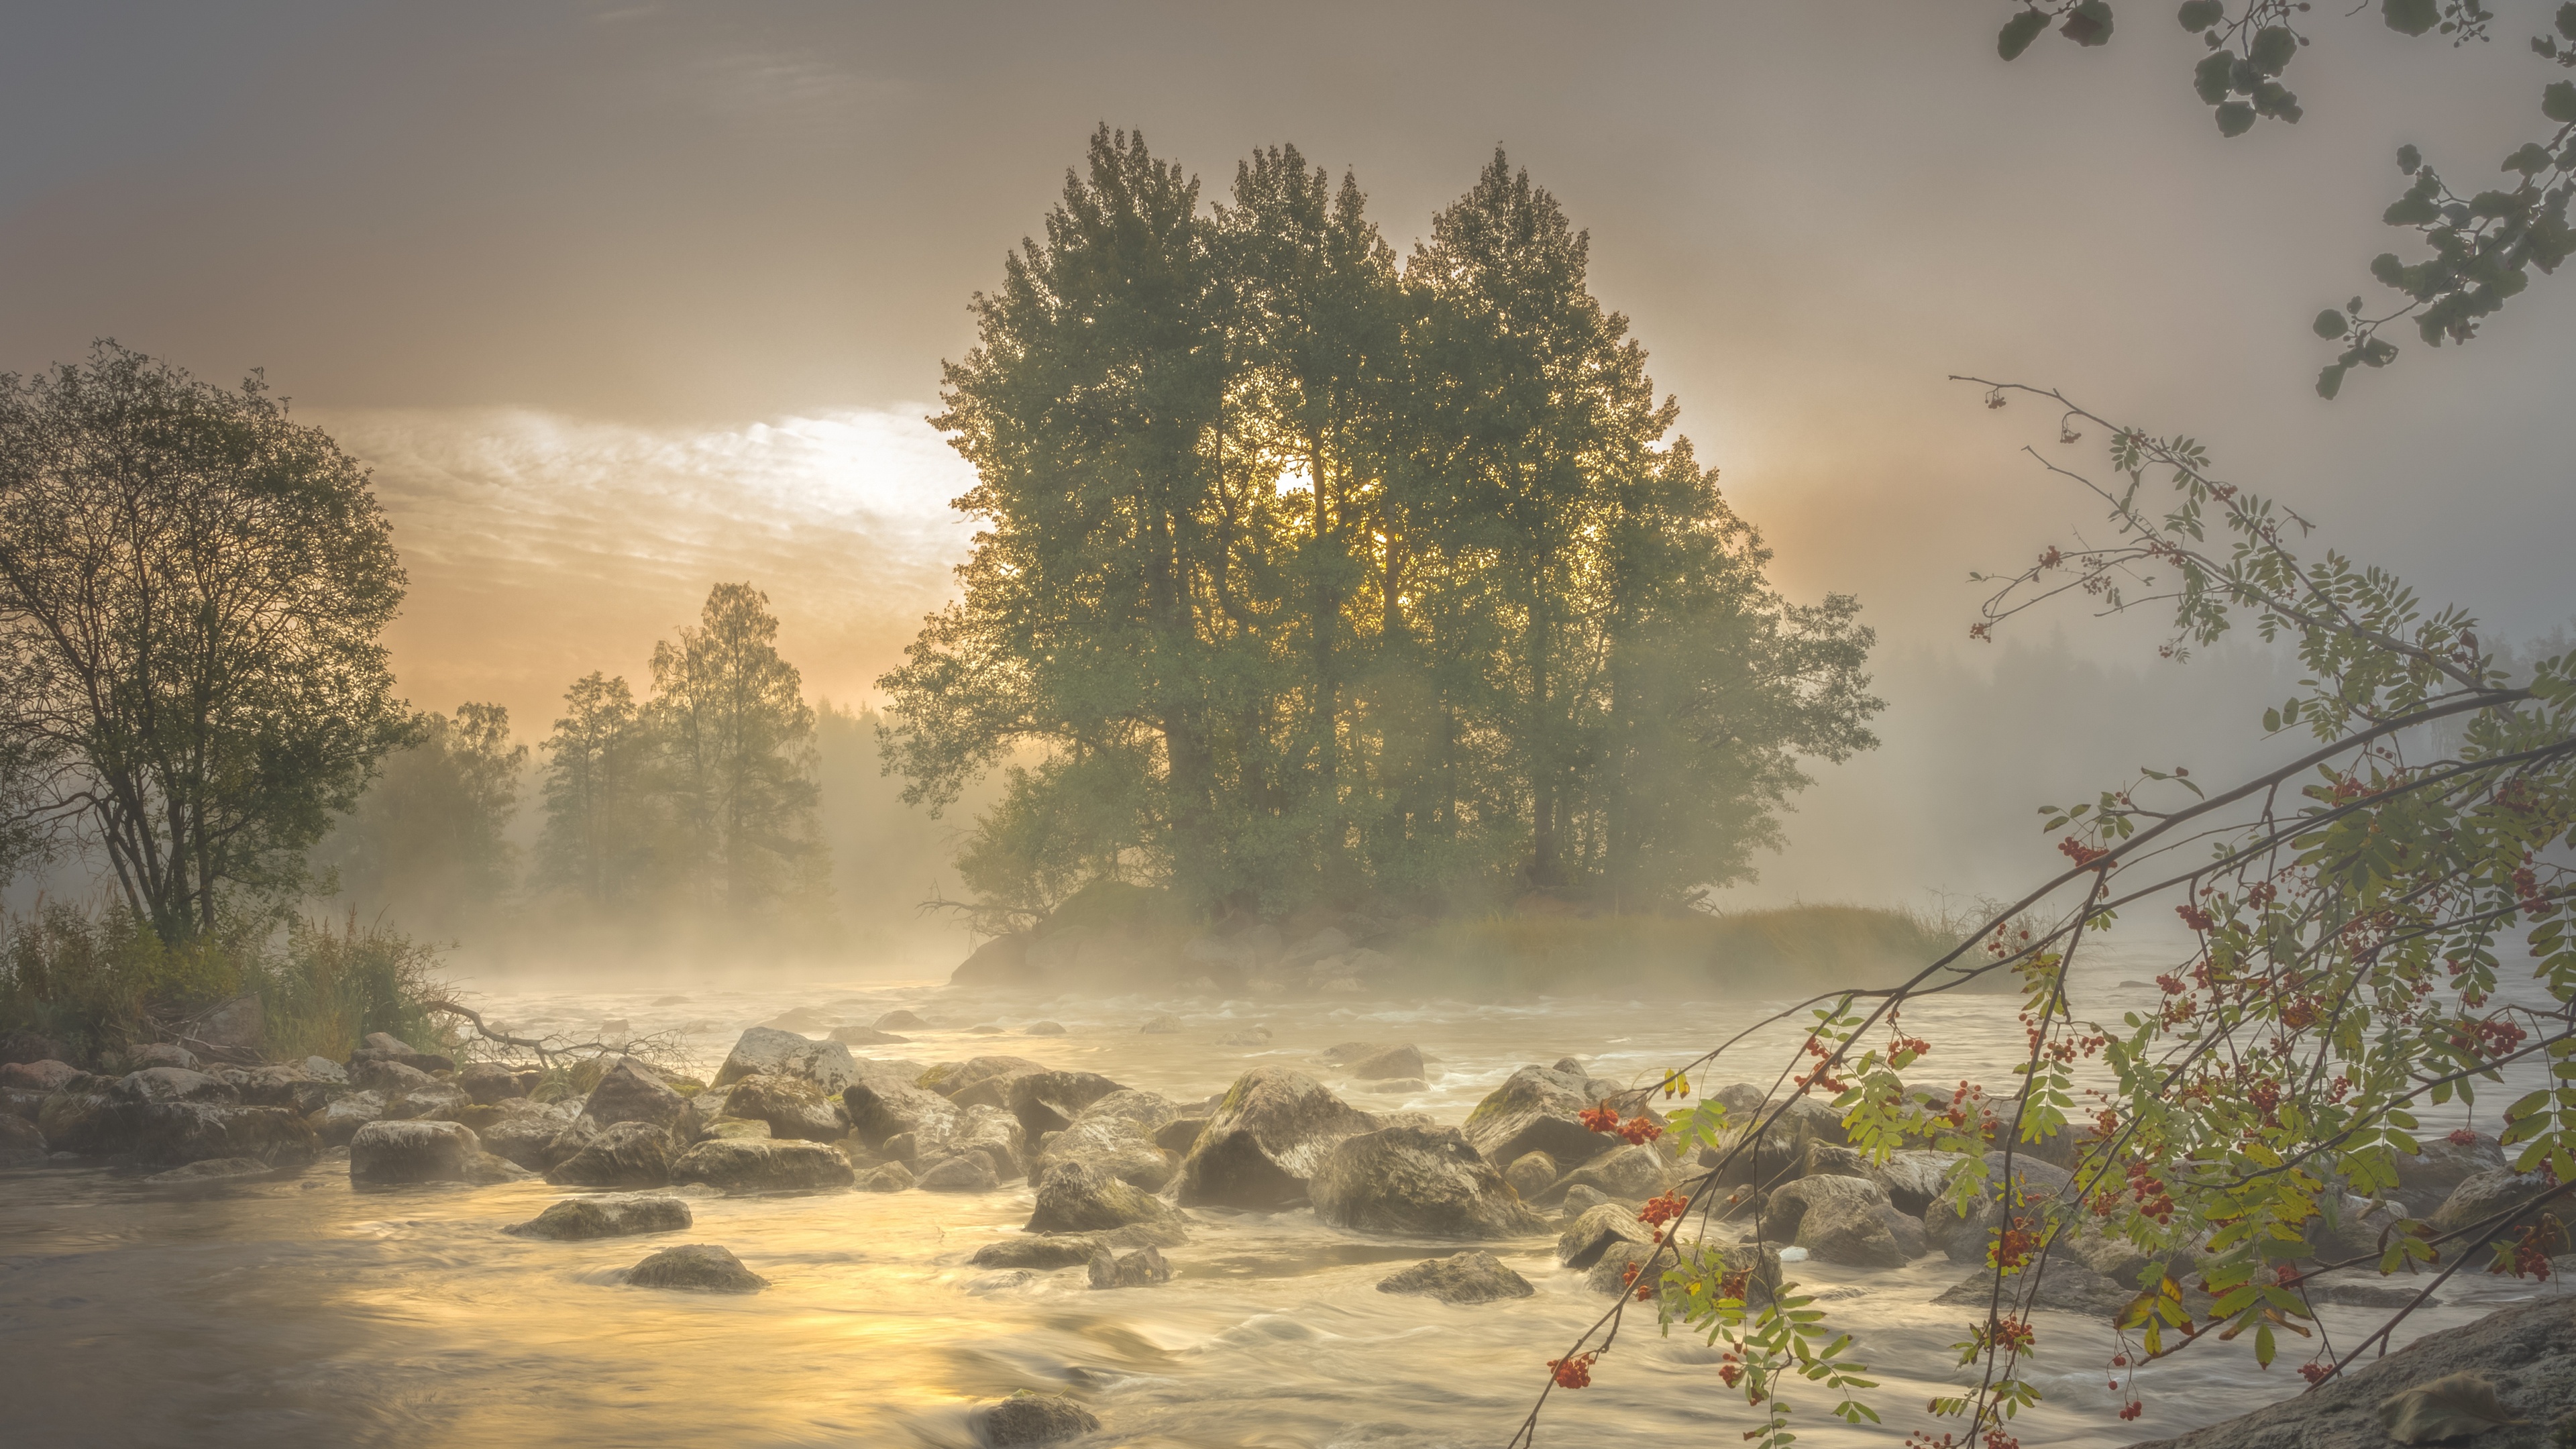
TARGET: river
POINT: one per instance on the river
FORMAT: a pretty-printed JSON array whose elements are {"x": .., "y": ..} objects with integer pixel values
[{"x": 300, "y": 1312}]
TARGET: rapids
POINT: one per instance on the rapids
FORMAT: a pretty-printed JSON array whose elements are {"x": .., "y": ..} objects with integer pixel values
[{"x": 300, "y": 1312}]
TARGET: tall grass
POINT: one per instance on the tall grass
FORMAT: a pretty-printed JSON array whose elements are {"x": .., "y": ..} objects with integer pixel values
[{"x": 98, "y": 981}]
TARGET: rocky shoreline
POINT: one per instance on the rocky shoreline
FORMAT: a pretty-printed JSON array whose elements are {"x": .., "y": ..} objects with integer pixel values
[{"x": 1123, "y": 1182}]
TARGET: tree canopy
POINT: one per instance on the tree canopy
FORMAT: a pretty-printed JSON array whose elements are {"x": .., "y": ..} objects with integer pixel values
[
  {"x": 193, "y": 589},
  {"x": 1309, "y": 576}
]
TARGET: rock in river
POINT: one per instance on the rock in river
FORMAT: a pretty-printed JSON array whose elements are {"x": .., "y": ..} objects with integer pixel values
[
  {"x": 632, "y": 1092},
  {"x": 388, "y": 1154},
  {"x": 1143, "y": 1268},
  {"x": 1032, "y": 1418},
  {"x": 630, "y": 1154},
  {"x": 1471, "y": 1277},
  {"x": 1601, "y": 1228},
  {"x": 1534, "y": 1111},
  {"x": 752, "y": 1165},
  {"x": 609, "y": 1215},
  {"x": 967, "y": 1172},
  {"x": 702, "y": 1266},
  {"x": 1425, "y": 1181},
  {"x": 1077, "y": 1197},
  {"x": 1265, "y": 1139},
  {"x": 762, "y": 1050}
]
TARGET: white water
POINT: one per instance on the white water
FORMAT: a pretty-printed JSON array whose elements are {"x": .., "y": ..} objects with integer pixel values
[{"x": 301, "y": 1313}]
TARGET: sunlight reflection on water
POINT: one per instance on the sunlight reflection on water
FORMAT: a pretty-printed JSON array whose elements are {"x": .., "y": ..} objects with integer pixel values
[{"x": 300, "y": 1312}]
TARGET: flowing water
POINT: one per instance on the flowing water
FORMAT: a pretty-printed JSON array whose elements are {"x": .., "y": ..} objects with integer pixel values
[{"x": 300, "y": 1312}]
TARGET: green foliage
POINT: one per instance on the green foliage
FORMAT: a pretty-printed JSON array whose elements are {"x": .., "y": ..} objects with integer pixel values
[
  {"x": 2482, "y": 247},
  {"x": 705, "y": 795},
  {"x": 426, "y": 842},
  {"x": 96, "y": 982},
  {"x": 192, "y": 594},
  {"x": 2354, "y": 914},
  {"x": 1309, "y": 579}
]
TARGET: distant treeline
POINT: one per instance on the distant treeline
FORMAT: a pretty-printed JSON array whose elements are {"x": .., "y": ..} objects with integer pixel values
[
  {"x": 1311, "y": 577},
  {"x": 700, "y": 801}
]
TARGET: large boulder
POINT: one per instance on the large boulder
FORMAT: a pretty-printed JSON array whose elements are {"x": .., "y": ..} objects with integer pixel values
[
  {"x": 44, "y": 1076},
  {"x": 751, "y": 1165},
  {"x": 1031, "y": 1418},
  {"x": 2525, "y": 1353},
  {"x": 1535, "y": 1111},
  {"x": 1630, "y": 1174},
  {"x": 1077, "y": 1197},
  {"x": 171, "y": 1084},
  {"x": 792, "y": 1106},
  {"x": 1049, "y": 1101},
  {"x": 1914, "y": 1179},
  {"x": 965, "y": 1173},
  {"x": 182, "y": 1132},
  {"x": 606, "y": 1215},
  {"x": 82, "y": 1119},
  {"x": 342, "y": 1116},
  {"x": 2490, "y": 1194},
  {"x": 1470, "y": 1277},
  {"x": 629, "y": 1154},
  {"x": 1602, "y": 1227},
  {"x": 1845, "y": 1220},
  {"x": 1117, "y": 1140},
  {"x": 949, "y": 1079},
  {"x": 704, "y": 1267},
  {"x": 1001, "y": 961},
  {"x": 524, "y": 1131},
  {"x": 1266, "y": 1138},
  {"x": 1420, "y": 1181},
  {"x": 881, "y": 1111},
  {"x": 490, "y": 1082},
  {"x": 630, "y": 1091},
  {"x": 765, "y": 1051},
  {"x": 388, "y": 1154},
  {"x": 2426, "y": 1180}
]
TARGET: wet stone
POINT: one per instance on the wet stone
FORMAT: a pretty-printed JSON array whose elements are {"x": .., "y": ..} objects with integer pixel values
[
  {"x": 704, "y": 1267},
  {"x": 1144, "y": 1268},
  {"x": 1032, "y": 1418},
  {"x": 1472, "y": 1277},
  {"x": 609, "y": 1215}
]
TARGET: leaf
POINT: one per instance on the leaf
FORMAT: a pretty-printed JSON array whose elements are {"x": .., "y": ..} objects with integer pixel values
[
  {"x": 2410, "y": 17},
  {"x": 2198, "y": 15},
  {"x": 2452, "y": 1407},
  {"x": 2567, "y": 20},
  {"x": 2558, "y": 102},
  {"x": 2329, "y": 324},
  {"x": 2410, "y": 160},
  {"x": 2209, "y": 78},
  {"x": 2235, "y": 118},
  {"x": 2089, "y": 23},
  {"x": 2272, "y": 50},
  {"x": 2019, "y": 32}
]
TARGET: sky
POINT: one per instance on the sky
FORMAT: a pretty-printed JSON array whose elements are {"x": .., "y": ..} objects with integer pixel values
[{"x": 618, "y": 300}]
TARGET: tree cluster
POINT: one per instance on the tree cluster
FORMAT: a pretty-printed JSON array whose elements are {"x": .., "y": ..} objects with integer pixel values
[
  {"x": 1309, "y": 576},
  {"x": 703, "y": 796}
]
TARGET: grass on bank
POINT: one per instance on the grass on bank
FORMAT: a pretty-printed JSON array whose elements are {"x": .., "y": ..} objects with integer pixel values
[{"x": 99, "y": 981}]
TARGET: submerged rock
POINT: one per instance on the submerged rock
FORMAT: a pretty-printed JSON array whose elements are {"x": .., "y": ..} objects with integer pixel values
[
  {"x": 1470, "y": 1277},
  {"x": 1269, "y": 1135},
  {"x": 1061, "y": 1250},
  {"x": 1418, "y": 1180},
  {"x": 1032, "y": 1418},
  {"x": 701, "y": 1266},
  {"x": 609, "y": 1215},
  {"x": 212, "y": 1169},
  {"x": 1143, "y": 1268},
  {"x": 740, "y": 1165}
]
